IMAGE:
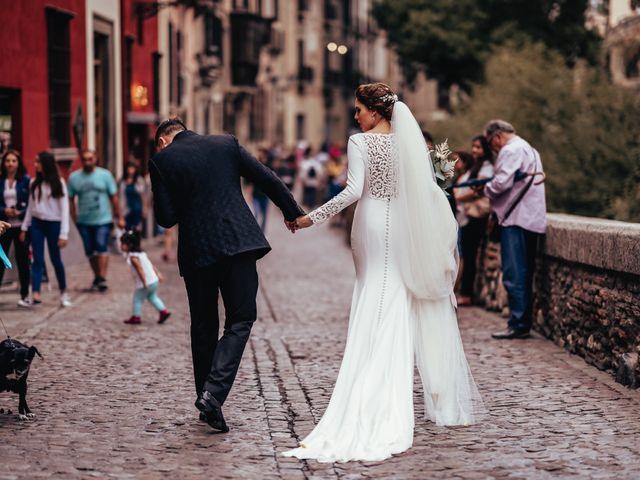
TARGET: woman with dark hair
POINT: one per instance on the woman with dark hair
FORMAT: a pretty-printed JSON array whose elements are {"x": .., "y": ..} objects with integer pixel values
[
  {"x": 14, "y": 198},
  {"x": 48, "y": 218},
  {"x": 475, "y": 211},
  {"x": 403, "y": 312},
  {"x": 133, "y": 190}
]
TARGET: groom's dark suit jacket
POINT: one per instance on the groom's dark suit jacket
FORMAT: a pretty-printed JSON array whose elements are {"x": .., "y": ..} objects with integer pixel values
[{"x": 196, "y": 184}]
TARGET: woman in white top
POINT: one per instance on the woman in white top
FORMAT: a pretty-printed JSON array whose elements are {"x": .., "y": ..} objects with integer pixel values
[
  {"x": 146, "y": 278},
  {"x": 47, "y": 218},
  {"x": 14, "y": 198},
  {"x": 404, "y": 240}
]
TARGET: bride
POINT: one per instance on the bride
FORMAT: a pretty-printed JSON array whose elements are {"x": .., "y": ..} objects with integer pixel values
[{"x": 404, "y": 247}]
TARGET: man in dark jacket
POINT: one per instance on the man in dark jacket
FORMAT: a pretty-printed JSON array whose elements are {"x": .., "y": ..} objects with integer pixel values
[{"x": 196, "y": 184}]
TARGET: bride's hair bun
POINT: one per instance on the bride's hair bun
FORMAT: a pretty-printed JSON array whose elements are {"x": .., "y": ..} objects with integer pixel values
[{"x": 377, "y": 97}]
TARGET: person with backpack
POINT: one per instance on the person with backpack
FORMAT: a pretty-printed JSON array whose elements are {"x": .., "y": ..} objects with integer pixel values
[{"x": 311, "y": 173}]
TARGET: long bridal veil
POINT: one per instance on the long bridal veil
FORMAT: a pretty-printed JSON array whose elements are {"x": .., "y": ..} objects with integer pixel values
[{"x": 427, "y": 250}]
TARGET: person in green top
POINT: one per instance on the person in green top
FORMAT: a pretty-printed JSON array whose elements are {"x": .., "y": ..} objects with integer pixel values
[{"x": 94, "y": 209}]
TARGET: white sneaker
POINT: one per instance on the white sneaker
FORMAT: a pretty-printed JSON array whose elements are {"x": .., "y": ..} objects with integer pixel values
[
  {"x": 65, "y": 301},
  {"x": 25, "y": 303}
]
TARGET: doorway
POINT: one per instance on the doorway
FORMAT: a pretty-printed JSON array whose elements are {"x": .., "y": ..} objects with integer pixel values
[{"x": 104, "y": 96}]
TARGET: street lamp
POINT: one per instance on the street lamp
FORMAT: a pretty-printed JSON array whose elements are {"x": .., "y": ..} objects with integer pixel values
[
  {"x": 332, "y": 46},
  {"x": 342, "y": 49}
]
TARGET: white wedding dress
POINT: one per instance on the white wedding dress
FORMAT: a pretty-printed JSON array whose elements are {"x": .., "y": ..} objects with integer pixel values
[{"x": 370, "y": 415}]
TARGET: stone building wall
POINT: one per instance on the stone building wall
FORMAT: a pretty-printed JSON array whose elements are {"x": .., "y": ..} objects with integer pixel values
[{"x": 586, "y": 292}]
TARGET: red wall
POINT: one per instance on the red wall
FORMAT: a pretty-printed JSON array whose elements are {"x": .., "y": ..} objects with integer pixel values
[
  {"x": 142, "y": 72},
  {"x": 23, "y": 65}
]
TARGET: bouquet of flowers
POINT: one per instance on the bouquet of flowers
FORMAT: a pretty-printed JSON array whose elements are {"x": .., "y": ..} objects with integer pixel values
[{"x": 443, "y": 164}]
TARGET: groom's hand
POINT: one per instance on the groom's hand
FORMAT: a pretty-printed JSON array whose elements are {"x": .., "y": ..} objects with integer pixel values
[{"x": 291, "y": 226}]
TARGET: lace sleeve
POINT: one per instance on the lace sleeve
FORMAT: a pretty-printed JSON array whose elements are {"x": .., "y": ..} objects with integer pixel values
[{"x": 352, "y": 192}]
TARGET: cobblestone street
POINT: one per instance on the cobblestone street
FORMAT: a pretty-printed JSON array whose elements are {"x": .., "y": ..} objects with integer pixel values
[{"x": 116, "y": 401}]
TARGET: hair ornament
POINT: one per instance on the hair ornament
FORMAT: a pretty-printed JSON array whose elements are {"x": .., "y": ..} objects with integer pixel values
[{"x": 389, "y": 97}]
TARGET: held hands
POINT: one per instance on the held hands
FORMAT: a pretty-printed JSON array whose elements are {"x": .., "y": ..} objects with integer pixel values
[{"x": 302, "y": 221}]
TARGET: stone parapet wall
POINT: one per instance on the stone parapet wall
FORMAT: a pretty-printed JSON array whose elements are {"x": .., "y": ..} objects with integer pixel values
[{"x": 587, "y": 290}]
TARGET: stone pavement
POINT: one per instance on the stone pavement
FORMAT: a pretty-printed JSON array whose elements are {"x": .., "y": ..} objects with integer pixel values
[{"x": 115, "y": 401}]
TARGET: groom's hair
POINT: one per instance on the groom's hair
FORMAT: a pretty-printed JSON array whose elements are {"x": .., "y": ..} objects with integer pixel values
[{"x": 169, "y": 126}]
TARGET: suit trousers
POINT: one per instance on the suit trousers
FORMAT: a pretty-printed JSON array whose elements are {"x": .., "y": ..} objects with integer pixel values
[{"x": 216, "y": 360}]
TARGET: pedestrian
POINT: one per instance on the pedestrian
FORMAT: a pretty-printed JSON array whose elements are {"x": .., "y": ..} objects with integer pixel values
[
  {"x": 286, "y": 170},
  {"x": 311, "y": 172},
  {"x": 47, "y": 217},
  {"x": 220, "y": 242},
  {"x": 475, "y": 211},
  {"x": 133, "y": 190},
  {"x": 146, "y": 278},
  {"x": 96, "y": 211},
  {"x": 521, "y": 211},
  {"x": 14, "y": 199}
]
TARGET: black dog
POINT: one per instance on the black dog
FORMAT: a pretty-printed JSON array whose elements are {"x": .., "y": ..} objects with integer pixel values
[{"x": 15, "y": 361}]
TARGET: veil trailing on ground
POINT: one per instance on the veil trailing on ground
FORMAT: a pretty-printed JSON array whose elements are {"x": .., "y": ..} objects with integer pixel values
[
  {"x": 429, "y": 229},
  {"x": 426, "y": 246}
]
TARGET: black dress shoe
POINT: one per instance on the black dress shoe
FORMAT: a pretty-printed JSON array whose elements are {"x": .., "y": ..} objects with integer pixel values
[
  {"x": 510, "y": 333},
  {"x": 212, "y": 410}
]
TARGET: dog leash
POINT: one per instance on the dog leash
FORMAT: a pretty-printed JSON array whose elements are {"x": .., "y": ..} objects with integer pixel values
[{"x": 7, "y": 332}]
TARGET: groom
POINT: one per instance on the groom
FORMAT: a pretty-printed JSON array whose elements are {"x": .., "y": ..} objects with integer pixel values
[{"x": 196, "y": 184}]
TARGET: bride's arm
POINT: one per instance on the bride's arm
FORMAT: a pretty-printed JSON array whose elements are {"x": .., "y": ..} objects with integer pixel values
[{"x": 355, "y": 185}]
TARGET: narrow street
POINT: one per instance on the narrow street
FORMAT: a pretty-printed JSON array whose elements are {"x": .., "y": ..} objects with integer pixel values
[{"x": 116, "y": 401}]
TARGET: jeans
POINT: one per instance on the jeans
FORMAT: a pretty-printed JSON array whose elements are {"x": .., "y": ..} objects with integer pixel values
[
  {"x": 133, "y": 219},
  {"x": 95, "y": 238},
  {"x": 22, "y": 258},
  {"x": 42, "y": 230},
  {"x": 150, "y": 293},
  {"x": 518, "y": 252}
]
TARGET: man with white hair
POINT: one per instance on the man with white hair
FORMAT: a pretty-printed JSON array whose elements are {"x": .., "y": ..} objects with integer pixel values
[{"x": 521, "y": 210}]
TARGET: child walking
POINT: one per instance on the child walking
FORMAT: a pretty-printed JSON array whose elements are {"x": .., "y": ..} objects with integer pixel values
[{"x": 146, "y": 278}]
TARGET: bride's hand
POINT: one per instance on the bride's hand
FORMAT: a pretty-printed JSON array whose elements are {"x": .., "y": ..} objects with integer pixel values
[{"x": 303, "y": 222}]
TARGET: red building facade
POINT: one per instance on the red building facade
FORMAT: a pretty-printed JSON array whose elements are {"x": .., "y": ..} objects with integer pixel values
[{"x": 43, "y": 81}]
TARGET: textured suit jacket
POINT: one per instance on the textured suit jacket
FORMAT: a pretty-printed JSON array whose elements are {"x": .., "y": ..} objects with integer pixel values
[{"x": 196, "y": 184}]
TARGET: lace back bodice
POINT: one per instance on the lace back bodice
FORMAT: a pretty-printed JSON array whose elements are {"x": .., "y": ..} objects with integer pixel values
[
  {"x": 382, "y": 166},
  {"x": 373, "y": 171}
]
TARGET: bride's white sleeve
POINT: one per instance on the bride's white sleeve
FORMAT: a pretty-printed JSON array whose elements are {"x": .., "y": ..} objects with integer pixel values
[{"x": 355, "y": 185}]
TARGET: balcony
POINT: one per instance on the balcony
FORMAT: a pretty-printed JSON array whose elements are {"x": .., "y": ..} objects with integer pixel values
[{"x": 249, "y": 33}]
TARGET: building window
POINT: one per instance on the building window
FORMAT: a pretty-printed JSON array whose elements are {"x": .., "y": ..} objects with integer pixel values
[
  {"x": 128, "y": 71},
  {"x": 212, "y": 35},
  {"x": 156, "y": 58},
  {"x": 59, "y": 70},
  {"x": 300, "y": 126},
  {"x": 180, "y": 79},
  {"x": 172, "y": 68},
  {"x": 257, "y": 120}
]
